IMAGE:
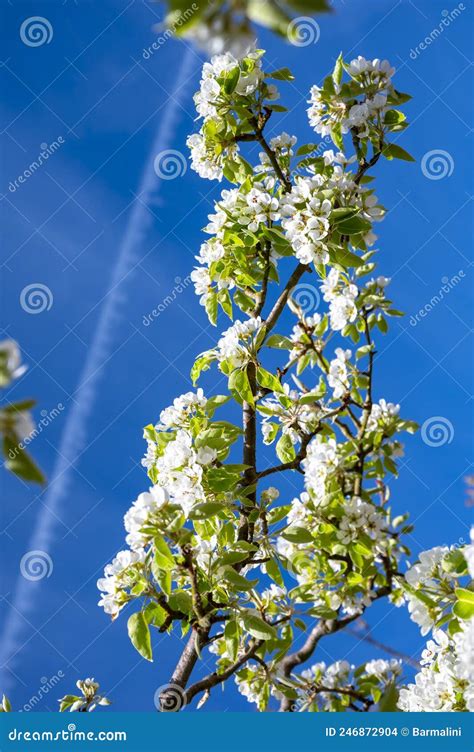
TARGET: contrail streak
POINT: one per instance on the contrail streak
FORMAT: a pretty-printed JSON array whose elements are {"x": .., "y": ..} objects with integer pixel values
[{"x": 74, "y": 436}]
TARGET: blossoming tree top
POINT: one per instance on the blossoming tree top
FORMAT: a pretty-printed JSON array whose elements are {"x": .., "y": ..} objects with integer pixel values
[{"x": 256, "y": 580}]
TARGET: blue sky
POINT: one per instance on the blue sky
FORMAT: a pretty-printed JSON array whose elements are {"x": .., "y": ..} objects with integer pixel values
[{"x": 111, "y": 241}]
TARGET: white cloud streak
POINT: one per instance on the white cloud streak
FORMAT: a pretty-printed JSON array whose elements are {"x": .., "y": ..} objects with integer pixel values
[{"x": 74, "y": 436}]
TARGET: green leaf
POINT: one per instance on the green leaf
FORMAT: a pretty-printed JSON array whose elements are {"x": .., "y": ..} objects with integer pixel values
[
  {"x": 338, "y": 70},
  {"x": 225, "y": 301},
  {"x": 279, "y": 342},
  {"x": 393, "y": 151},
  {"x": 154, "y": 614},
  {"x": 342, "y": 213},
  {"x": 285, "y": 449},
  {"x": 231, "y": 80},
  {"x": 257, "y": 627},
  {"x": 67, "y": 701},
  {"x": 238, "y": 581},
  {"x": 206, "y": 510},
  {"x": 352, "y": 225},
  {"x": 181, "y": 600},
  {"x": 394, "y": 117},
  {"x": 268, "y": 15},
  {"x": 6, "y": 705},
  {"x": 346, "y": 258},
  {"x": 216, "y": 401},
  {"x": 163, "y": 557},
  {"x": 179, "y": 19},
  {"x": 297, "y": 535},
  {"x": 464, "y": 606},
  {"x": 310, "y": 6},
  {"x": 306, "y": 149},
  {"x": 268, "y": 380},
  {"x": 18, "y": 407},
  {"x": 239, "y": 382},
  {"x": 273, "y": 571},
  {"x": 454, "y": 563},
  {"x": 139, "y": 634},
  {"x": 211, "y": 307},
  {"x": 20, "y": 463},
  {"x": 398, "y": 97},
  {"x": 163, "y": 578},
  {"x": 282, "y": 74}
]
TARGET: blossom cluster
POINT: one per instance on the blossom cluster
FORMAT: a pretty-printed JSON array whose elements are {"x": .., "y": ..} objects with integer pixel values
[
  {"x": 177, "y": 466},
  {"x": 17, "y": 426},
  {"x": 235, "y": 345},
  {"x": 227, "y": 83},
  {"x": 439, "y": 596},
  {"x": 360, "y": 105},
  {"x": 285, "y": 410},
  {"x": 268, "y": 216},
  {"x": 446, "y": 680},
  {"x": 322, "y": 687},
  {"x": 86, "y": 701}
]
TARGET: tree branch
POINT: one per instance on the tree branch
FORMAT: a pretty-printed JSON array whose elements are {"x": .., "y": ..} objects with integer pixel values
[
  {"x": 281, "y": 301},
  {"x": 322, "y": 629},
  {"x": 212, "y": 680}
]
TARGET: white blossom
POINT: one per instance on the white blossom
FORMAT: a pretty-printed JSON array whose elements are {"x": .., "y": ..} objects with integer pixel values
[
  {"x": 118, "y": 575},
  {"x": 338, "y": 376},
  {"x": 235, "y": 342},
  {"x": 320, "y": 461},
  {"x": 305, "y": 220},
  {"x": 446, "y": 680}
]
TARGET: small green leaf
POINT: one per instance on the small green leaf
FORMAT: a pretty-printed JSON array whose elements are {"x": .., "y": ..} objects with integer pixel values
[
  {"x": 163, "y": 557},
  {"x": 338, "y": 71},
  {"x": 238, "y": 581},
  {"x": 352, "y": 225},
  {"x": 268, "y": 380},
  {"x": 181, "y": 600},
  {"x": 231, "y": 80},
  {"x": 257, "y": 627},
  {"x": 454, "y": 562},
  {"x": 394, "y": 117},
  {"x": 239, "y": 382},
  {"x": 282, "y": 74},
  {"x": 202, "y": 363},
  {"x": 211, "y": 307},
  {"x": 279, "y": 342},
  {"x": 393, "y": 151},
  {"x": 297, "y": 535},
  {"x": 464, "y": 606},
  {"x": 285, "y": 449},
  {"x": 344, "y": 257},
  {"x": 20, "y": 463},
  {"x": 139, "y": 634}
]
